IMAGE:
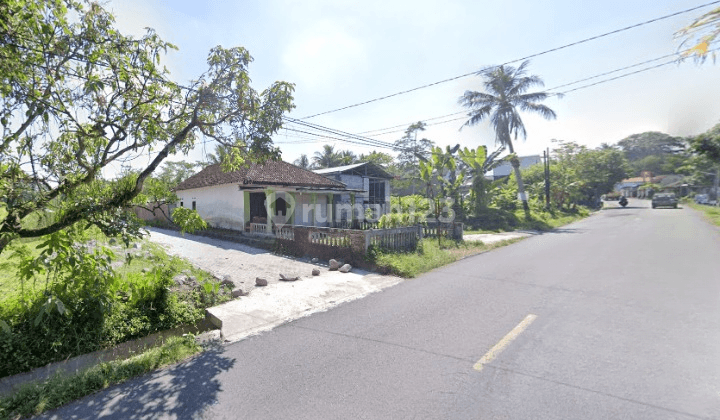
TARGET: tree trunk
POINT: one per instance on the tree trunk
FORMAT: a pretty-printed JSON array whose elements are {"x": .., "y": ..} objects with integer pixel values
[
  {"x": 521, "y": 186},
  {"x": 4, "y": 241}
]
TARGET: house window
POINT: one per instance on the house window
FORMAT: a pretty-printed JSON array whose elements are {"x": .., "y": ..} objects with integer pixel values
[
  {"x": 193, "y": 205},
  {"x": 377, "y": 191},
  {"x": 181, "y": 204}
]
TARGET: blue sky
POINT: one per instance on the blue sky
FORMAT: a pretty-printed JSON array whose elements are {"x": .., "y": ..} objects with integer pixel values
[{"x": 343, "y": 52}]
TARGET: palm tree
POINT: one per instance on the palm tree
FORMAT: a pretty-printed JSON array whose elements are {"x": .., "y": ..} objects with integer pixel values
[
  {"x": 302, "y": 161},
  {"x": 347, "y": 157},
  {"x": 221, "y": 152},
  {"x": 506, "y": 88},
  {"x": 328, "y": 158}
]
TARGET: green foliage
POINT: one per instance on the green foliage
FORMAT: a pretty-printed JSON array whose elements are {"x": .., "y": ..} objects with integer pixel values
[
  {"x": 479, "y": 163},
  {"x": 409, "y": 204},
  {"x": 394, "y": 220},
  {"x": 70, "y": 302},
  {"x": 302, "y": 162},
  {"x": 58, "y": 390},
  {"x": 708, "y": 144},
  {"x": 411, "y": 150},
  {"x": 506, "y": 93},
  {"x": 73, "y": 106},
  {"x": 188, "y": 220},
  {"x": 710, "y": 212},
  {"x": 327, "y": 158},
  {"x": 173, "y": 173},
  {"x": 429, "y": 255},
  {"x": 505, "y": 198},
  {"x": 578, "y": 175},
  {"x": 651, "y": 143},
  {"x": 378, "y": 158}
]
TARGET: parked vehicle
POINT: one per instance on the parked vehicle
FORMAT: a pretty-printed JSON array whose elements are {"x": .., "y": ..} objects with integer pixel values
[
  {"x": 702, "y": 199},
  {"x": 664, "y": 200}
]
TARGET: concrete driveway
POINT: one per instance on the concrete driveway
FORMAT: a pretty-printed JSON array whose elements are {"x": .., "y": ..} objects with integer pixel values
[{"x": 278, "y": 302}]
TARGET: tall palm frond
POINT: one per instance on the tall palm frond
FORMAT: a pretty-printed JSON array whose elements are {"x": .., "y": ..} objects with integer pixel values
[{"x": 505, "y": 95}]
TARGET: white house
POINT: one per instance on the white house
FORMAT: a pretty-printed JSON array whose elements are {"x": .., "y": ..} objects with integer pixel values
[{"x": 234, "y": 200}]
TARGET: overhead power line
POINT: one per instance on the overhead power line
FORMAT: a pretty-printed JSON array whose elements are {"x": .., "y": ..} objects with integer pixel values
[
  {"x": 677, "y": 54},
  {"x": 572, "y": 44}
]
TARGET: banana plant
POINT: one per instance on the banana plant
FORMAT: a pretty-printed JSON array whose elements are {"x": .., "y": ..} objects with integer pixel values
[{"x": 478, "y": 163}]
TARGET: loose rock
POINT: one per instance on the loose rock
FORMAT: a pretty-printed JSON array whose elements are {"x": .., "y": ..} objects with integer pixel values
[
  {"x": 286, "y": 278},
  {"x": 316, "y": 272},
  {"x": 314, "y": 260},
  {"x": 345, "y": 268},
  {"x": 227, "y": 281},
  {"x": 261, "y": 282},
  {"x": 237, "y": 293},
  {"x": 334, "y": 265}
]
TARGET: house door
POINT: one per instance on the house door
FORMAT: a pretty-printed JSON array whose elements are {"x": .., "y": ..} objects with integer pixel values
[{"x": 257, "y": 207}]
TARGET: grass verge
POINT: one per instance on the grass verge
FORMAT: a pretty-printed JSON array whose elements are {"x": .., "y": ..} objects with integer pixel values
[
  {"x": 494, "y": 220},
  {"x": 429, "y": 255},
  {"x": 712, "y": 213},
  {"x": 35, "y": 398}
]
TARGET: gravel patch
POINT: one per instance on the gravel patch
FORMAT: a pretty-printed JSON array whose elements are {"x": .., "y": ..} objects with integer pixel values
[{"x": 242, "y": 263}]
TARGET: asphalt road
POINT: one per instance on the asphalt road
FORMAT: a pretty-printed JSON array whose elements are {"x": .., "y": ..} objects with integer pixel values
[{"x": 627, "y": 306}]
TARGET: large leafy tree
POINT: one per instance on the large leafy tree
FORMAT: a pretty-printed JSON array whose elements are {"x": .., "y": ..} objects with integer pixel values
[
  {"x": 173, "y": 173},
  {"x": 641, "y": 145},
  {"x": 411, "y": 151},
  {"x": 78, "y": 97},
  {"x": 379, "y": 158},
  {"x": 707, "y": 144},
  {"x": 653, "y": 151},
  {"x": 506, "y": 94}
]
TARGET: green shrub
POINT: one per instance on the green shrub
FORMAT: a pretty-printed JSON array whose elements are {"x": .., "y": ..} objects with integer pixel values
[
  {"x": 493, "y": 219},
  {"x": 85, "y": 306}
]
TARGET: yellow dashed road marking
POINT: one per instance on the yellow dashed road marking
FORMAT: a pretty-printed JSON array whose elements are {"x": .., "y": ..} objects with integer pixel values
[{"x": 500, "y": 346}]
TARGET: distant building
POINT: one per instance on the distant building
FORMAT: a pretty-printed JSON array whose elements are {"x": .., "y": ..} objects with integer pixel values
[
  {"x": 505, "y": 169},
  {"x": 370, "y": 178}
]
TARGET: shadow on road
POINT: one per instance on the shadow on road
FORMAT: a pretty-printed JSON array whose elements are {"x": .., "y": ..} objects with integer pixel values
[
  {"x": 562, "y": 230},
  {"x": 182, "y": 391},
  {"x": 626, "y": 208}
]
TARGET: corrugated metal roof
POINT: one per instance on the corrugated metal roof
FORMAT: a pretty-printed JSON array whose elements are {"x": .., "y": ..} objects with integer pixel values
[
  {"x": 373, "y": 170},
  {"x": 338, "y": 168}
]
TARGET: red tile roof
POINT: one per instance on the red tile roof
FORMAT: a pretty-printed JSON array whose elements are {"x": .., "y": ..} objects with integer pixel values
[{"x": 269, "y": 173}]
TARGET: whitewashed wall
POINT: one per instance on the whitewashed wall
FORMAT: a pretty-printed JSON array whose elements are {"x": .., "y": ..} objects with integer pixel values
[
  {"x": 220, "y": 206},
  {"x": 303, "y": 201}
]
